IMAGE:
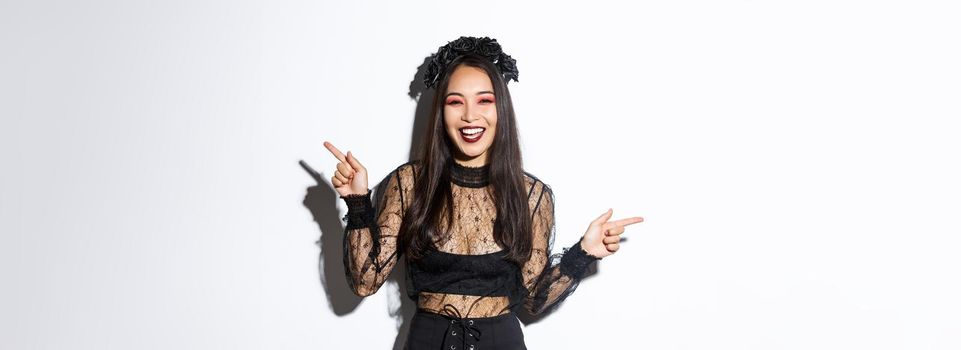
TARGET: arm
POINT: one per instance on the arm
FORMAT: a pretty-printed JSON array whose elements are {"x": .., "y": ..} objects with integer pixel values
[
  {"x": 370, "y": 244},
  {"x": 550, "y": 279}
]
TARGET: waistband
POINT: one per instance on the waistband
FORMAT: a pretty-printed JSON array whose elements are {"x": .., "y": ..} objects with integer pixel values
[
  {"x": 454, "y": 316},
  {"x": 468, "y": 327}
]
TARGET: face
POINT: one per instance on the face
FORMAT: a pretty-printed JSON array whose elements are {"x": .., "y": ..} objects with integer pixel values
[{"x": 470, "y": 114}]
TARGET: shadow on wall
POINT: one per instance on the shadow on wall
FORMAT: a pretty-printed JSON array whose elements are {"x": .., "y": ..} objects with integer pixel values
[{"x": 322, "y": 200}]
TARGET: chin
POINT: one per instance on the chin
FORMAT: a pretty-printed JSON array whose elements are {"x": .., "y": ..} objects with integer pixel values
[
  {"x": 471, "y": 155},
  {"x": 474, "y": 151},
  {"x": 471, "y": 150}
]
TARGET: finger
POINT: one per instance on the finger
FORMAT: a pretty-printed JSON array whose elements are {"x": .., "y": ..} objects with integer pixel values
[
  {"x": 353, "y": 161},
  {"x": 614, "y": 231},
  {"x": 628, "y": 221},
  {"x": 612, "y": 247},
  {"x": 337, "y": 183},
  {"x": 612, "y": 239},
  {"x": 606, "y": 228},
  {"x": 612, "y": 225},
  {"x": 341, "y": 177},
  {"x": 603, "y": 218},
  {"x": 335, "y": 151},
  {"x": 345, "y": 169}
]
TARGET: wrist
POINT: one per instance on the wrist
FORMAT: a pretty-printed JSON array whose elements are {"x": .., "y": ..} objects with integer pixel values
[
  {"x": 580, "y": 245},
  {"x": 360, "y": 210},
  {"x": 576, "y": 260}
]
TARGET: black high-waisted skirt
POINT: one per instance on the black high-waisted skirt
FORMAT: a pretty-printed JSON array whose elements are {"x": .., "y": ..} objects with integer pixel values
[{"x": 431, "y": 331}]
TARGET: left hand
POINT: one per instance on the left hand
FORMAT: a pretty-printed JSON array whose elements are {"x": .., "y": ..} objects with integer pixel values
[{"x": 603, "y": 237}]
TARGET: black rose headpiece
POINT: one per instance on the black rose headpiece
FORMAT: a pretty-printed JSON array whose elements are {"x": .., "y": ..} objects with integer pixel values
[{"x": 485, "y": 47}]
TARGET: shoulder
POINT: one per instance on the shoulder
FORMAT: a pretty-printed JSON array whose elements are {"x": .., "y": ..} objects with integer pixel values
[
  {"x": 537, "y": 189},
  {"x": 407, "y": 170},
  {"x": 400, "y": 177}
]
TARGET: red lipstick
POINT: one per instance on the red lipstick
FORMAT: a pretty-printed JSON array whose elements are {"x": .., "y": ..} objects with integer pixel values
[{"x": 470, "y": 134}]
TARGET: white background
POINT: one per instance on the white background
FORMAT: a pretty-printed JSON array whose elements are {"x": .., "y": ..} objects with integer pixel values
[{"x": 796, "y": 164}]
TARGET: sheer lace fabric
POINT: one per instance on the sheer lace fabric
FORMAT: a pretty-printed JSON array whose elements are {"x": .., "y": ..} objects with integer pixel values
[{"x": 465, "y": 272}]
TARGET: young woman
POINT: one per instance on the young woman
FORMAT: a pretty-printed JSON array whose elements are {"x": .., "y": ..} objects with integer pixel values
[{"x": 476, "y": 230}]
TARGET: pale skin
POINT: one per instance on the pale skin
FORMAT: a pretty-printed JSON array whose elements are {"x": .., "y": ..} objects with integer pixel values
[{"x": 470, "y": 102}]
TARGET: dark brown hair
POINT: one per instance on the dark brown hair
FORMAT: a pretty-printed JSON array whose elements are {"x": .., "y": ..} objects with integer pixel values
[{"x": 432, "y": 187}]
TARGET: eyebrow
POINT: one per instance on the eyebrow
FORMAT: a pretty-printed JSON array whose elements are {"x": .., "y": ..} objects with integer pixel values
[{"x": 462, "y": 95}]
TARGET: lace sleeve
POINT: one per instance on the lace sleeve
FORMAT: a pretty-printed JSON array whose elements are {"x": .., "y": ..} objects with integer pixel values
[
  {"x": 549, "y": 279},
  {"x": 370, "y": 245}
]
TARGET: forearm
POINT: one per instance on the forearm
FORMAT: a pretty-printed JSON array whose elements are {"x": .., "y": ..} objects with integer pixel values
[{"x": 368, "y": 252}]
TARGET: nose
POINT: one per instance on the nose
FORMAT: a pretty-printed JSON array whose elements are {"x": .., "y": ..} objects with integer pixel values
[{"x": 467, "y": 116}]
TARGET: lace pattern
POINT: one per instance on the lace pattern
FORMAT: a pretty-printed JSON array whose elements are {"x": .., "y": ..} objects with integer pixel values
[{"x": 544, "y": 280}]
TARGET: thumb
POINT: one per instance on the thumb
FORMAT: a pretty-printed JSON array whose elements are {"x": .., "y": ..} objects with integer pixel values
[
  {"x": 604, "y": 217},
  {"x": 354, "y": 163}
]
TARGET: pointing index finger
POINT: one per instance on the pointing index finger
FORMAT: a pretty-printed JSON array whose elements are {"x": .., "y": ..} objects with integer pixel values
[
  {"x": 629, "y": 221},
  {"x": 335, "y": 152}
]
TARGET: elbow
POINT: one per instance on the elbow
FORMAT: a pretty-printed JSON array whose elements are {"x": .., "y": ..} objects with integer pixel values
[
  {"x": 532, "y": 307},
  {"x": 534, "y": 311},
  {"x": 364, "y": 290},
  {"x": 538, "y": 311}
]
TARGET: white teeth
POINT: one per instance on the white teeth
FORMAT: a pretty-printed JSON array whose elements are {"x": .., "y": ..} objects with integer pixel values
[{"x": 471, "y": 131}]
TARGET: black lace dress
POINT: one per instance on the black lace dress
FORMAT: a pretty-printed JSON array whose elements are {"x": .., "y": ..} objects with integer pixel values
[{"x": 463, "y": 283}]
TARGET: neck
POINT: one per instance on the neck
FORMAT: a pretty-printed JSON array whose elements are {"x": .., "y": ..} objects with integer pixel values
[
  {"x": 470, "y": 176},
  {"x": 475, "y": 162}
]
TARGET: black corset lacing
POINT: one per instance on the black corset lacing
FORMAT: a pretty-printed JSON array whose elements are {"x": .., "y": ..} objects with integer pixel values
[{"x": 466, "y": 325}]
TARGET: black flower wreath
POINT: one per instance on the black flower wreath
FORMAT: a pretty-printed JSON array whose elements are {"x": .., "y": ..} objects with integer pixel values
[{"x": 485, "y": 47}]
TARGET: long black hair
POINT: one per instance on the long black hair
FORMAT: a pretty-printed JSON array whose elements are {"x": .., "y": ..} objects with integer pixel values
[{"x": 432, "y": 188}]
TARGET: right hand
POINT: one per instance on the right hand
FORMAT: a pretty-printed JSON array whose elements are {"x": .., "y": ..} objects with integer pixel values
[{"x": 351, "y": 176}]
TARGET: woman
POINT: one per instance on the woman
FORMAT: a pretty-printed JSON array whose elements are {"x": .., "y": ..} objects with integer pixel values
[{"x": 475, "y": 229}]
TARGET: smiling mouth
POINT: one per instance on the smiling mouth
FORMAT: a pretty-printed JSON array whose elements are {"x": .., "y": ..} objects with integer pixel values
[{"x": 472, "y": 134}]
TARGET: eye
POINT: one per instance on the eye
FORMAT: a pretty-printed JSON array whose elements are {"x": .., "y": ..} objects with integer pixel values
[
  {"x": 486, "y": 100},
  {"x": 454, "y": 102}
]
